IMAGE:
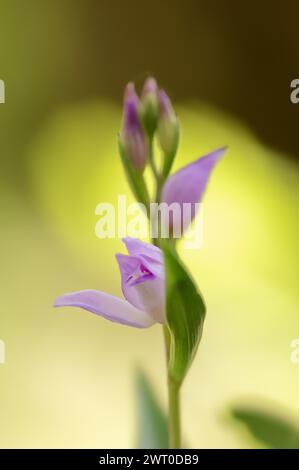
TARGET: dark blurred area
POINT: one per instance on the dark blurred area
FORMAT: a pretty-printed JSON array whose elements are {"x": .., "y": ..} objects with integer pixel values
[{"x": 239, "y": 56}]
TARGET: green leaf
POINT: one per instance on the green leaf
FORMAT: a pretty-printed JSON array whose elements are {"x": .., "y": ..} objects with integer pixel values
[
  {"x": 185, "y": 313},
  {"x": 152, "y": 422},
  {"x": 273, "y": 430},
  {"x": 135, "y": 178}
]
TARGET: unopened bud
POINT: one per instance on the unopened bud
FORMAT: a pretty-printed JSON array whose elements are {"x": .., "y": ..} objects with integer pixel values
[
  {"x": 168, "y": 128},
  {"x": 132, "y": 135},
  {"x": 149, "y": 106}
]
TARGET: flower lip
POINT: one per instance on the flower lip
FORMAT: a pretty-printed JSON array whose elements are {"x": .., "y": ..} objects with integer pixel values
[
  {"x": 142, "y": 278},
  {"x": 149, "y": 255},
  {"x": 135, "y": 280},
  {"x": 133, "y": 269}
]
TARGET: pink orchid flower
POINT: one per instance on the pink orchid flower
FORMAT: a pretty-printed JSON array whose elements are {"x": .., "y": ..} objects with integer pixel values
[
  {"x": 142, "y": 270},
  {"x": 142, "y": 280}
]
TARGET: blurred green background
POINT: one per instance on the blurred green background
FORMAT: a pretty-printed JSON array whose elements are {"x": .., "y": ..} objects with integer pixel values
[{"x": 69, "y": 377}]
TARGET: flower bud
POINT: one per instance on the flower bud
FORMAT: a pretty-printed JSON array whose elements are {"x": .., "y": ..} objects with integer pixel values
[
  {"x": 168, "y": 130},
  {"x": 149, "y": 106},
  {"x": 132, "y": 135}
]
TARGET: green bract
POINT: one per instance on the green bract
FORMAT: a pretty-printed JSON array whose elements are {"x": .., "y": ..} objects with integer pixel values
[{"x": 185, "y": 314}]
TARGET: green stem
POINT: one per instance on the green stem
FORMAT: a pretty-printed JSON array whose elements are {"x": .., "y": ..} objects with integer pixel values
[
  {"x": 151, "y": 157},
  {"x": 174, "y": 421},
  {"x": 159, "y": 186}
]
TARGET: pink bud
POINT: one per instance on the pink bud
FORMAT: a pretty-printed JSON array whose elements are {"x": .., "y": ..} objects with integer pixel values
[{"x": 132, "y": 134}]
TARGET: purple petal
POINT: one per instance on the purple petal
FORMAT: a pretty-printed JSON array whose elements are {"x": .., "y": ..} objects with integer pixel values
[
  {"x": 141, "y": 287},
  {"x": 137, "y": 247},
  {"x": 133, "y": 269},
  {"x": 189, "y": 183},
  {"x": 107, "y": 306}
]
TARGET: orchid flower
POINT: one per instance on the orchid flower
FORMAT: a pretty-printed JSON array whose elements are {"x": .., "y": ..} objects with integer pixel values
[
  {"x": 155, "y": 284},
  {"x": 142, "y": 281},
  {"x": 142, "y": 271}
]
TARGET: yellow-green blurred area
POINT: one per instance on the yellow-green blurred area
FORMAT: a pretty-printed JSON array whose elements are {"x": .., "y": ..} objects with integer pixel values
[{"x": 69, "y": 376}]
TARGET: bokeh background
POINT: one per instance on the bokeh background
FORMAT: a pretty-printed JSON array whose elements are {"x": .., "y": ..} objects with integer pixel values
[{"x": 69, "y": 377}]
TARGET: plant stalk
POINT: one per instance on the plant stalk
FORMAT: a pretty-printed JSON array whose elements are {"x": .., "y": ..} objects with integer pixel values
[
  {"x": 174, "y": 417},
  {"x": 174, "y": 421},
  {"x": 151, "y": 157}
]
